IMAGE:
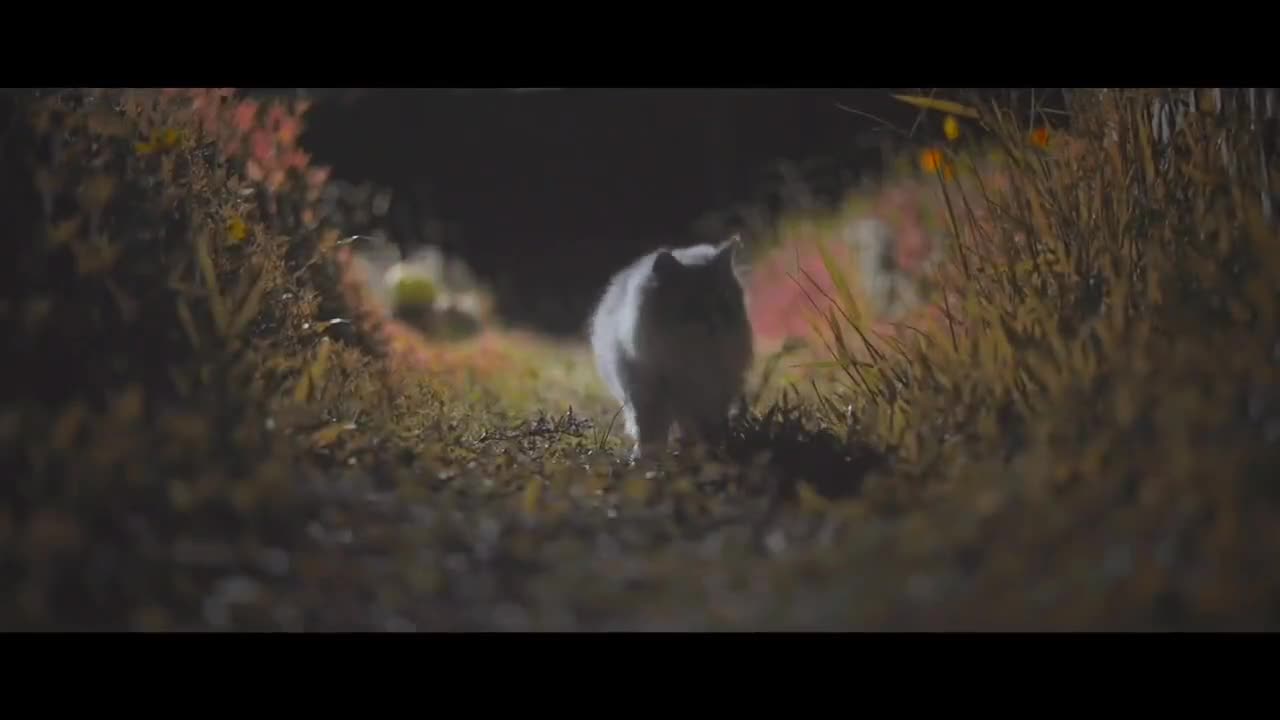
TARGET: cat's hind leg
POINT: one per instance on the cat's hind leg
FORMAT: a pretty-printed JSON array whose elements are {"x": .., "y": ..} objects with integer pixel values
[
  {"x": 702, "y": 433},
  {"x": 652, "y": 425}
]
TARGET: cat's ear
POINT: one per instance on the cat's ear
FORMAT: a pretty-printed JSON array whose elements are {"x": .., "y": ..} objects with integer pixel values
[
  {"x": 665, "y": 264},
  {"x": 728, "y": 250}
]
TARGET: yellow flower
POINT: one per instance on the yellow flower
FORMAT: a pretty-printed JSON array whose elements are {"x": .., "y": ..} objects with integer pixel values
[
  {"x": 932, "y": 160},
  {"x": 169, "y": 138},
  {"x": 236, "y": 229},
  {"x": 951, "y": 127},
  {"x": 160, "y": 140}
]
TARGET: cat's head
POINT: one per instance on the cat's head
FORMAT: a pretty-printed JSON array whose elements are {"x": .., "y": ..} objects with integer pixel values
[{"x": 698, "y": 284}]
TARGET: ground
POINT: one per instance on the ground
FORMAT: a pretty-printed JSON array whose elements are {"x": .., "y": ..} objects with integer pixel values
[{"x": 532, "y": 521}]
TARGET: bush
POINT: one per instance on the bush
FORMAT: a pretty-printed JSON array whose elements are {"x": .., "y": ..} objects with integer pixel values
[
  {"x": 183, "y": 354},
  {"x": 1102, "y": 372}
]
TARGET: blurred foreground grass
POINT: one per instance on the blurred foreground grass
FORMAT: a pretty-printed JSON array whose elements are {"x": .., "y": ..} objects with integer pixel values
[{"x": 206, "y": 432}]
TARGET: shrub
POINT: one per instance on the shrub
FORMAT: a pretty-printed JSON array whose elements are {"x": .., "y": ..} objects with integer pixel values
[
  {"x": 181, "y": 355},
  {"x": 1102, "y": 372}
]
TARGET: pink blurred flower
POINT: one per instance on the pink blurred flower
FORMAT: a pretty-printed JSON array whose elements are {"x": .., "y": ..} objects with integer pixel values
[
  {"x": 245, "y": 115},
  {"x": 318, "y": 176},
  {"x": 290, "y": 129},
  {"x": 262, "y": 145},
  {"x": 275, "y": 117},
  {"x": 298, "y": 159}
]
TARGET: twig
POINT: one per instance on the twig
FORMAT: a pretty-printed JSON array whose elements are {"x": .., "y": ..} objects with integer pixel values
[{"x": 869, "y": 116}]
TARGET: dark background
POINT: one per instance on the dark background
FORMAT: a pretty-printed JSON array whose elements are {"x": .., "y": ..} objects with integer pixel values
[{"x": 548, "y": 192}]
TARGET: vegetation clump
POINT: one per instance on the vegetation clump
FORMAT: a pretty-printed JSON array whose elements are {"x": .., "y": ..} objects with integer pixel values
[
  {"x": 1099, "y": 390},
  {"x": 175, "y": 331}
]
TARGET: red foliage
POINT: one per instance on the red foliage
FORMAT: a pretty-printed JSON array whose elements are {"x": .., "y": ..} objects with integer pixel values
[
  {"x": 781, "y": 288},
  {"x": 262, "y": 135}
]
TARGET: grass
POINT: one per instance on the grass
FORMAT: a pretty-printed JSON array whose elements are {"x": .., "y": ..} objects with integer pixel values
[
  {"x": 1061, "y": 442},
  {"x": 1075, "y": 390}
]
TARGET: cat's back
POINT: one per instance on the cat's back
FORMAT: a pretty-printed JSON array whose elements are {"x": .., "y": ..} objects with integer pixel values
[
  {"x": 616, "y": 315},
  {"x": 615, "y": 312},
  {"x": 612, "y": 324}
]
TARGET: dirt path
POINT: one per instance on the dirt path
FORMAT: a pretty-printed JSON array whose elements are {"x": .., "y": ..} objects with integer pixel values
[{"x": 520, "y": 521}]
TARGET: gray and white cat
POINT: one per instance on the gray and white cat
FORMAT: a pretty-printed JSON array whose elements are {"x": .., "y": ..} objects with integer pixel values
[{"x": 673, "y": 342}]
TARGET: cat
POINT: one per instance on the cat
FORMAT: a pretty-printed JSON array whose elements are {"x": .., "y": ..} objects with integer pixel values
[{"x": 672, "y": 341}]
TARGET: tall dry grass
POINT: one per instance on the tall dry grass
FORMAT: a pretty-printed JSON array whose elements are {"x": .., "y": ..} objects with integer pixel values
[{"x": 1106, "y": 351}]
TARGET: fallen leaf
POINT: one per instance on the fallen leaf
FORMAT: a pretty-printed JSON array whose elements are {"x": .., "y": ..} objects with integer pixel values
[{"x": 325, "y": 437}]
